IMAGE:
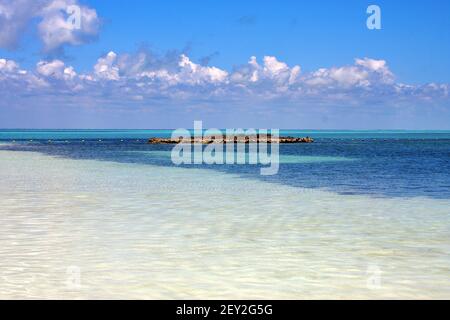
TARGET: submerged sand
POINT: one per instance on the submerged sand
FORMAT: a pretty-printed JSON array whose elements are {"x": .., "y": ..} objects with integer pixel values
[{"x": 141, "y": 231}]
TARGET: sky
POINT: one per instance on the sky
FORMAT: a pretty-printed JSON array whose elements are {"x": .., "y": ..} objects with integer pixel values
[{"x": 261, "y": 64}]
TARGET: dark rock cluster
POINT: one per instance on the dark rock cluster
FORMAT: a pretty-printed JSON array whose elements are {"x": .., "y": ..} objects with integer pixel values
[{"x": 233, "y": 139}]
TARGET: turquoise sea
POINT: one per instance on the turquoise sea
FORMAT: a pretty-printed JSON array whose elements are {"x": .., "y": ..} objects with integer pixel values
[{"x": 102, "y": 214}]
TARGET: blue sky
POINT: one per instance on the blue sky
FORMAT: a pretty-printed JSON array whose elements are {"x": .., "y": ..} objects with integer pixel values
[{"x": 410, "y": 90}]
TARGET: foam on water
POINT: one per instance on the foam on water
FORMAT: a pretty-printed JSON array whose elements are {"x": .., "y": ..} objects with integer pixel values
[{"x": 142, "y": 231}]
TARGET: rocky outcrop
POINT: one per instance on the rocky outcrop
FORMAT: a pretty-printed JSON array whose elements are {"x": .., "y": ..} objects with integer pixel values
[
  {"x": 296, "y": 140},
  {"x": 234, "y": 139}
]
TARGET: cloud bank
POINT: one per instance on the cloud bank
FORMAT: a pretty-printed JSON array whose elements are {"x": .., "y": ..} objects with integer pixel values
[{"x": 144, "y": 76}]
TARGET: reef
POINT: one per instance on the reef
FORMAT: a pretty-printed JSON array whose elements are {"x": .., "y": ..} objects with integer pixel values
[{"x": 231, "y": 139}]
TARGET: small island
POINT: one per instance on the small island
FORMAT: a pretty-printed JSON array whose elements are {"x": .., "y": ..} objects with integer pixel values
[{"x": 231, "y": 139}]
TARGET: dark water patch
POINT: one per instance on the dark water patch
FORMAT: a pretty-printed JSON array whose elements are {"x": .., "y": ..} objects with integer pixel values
[{"x": 381, "y": 167}]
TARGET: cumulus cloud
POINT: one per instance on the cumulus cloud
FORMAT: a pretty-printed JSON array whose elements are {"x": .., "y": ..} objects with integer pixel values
[
  {"x": 106, "y": 67},
  {"x": 146, "y": 67},
  {"x": 364, "y": 73},
  {"x": 272, "y": 73},
  {"x": 15, "y": 15},
  {"x": 16, "y": 81},
  {"x": 144, "y": 77},
  {"x": 8, "y": 66},
  {"x": 55, "y": 69},
  {"x": 57, "y": 29},
  {"x": 61, "y": 22}
]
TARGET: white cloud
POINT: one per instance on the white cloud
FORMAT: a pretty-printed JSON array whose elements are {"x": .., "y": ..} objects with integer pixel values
[
  {"x": 273, "y": 73},
  {"x": 196, "y": 74},
  {"x": 106, "y": 67},
  {"x": 273, "y": 67},
  {"x": 364, "y": 73},
  {"x": 16, "y": 81},
  {"x": 371, "y": 64},
  {"x": 143, "y": 77},
  {"x": 55, "y": 29},
  {"x": 55, "y": 69},
  {"x": 15, "y": 15},
  {"x": 144, "y": 67},
  {"x": 347, "y": 76},
  {"x": 8, "y": 66}
]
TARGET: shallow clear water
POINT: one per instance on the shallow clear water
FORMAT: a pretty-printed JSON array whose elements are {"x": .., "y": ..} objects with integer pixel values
[
  {"x": 379, "y": 163},
  {"x": 340, "y": 213}
]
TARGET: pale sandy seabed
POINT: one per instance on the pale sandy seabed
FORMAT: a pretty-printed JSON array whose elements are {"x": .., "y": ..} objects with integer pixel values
[{"x": 141, "y": 231}]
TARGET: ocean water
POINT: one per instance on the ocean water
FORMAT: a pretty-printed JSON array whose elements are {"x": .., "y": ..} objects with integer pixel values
[{"x": 353, "y": 215}]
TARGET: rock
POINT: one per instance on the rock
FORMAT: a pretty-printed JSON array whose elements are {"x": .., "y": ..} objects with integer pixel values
[{"x": 234, "y": 139}]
